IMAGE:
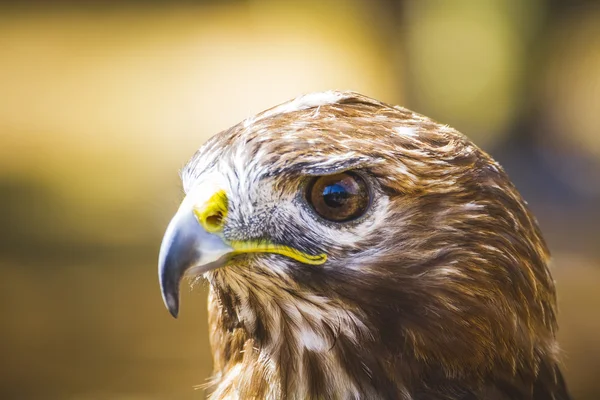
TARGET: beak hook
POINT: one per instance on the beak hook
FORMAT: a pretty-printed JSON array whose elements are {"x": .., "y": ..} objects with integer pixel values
[{"x": 186, "y": 245}]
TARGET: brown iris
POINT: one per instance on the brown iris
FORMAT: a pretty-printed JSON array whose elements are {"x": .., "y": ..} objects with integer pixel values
[{"x": 340, "y": 197}]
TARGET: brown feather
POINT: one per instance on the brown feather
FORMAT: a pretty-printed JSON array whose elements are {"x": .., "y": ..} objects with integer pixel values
[{"x": 447, "y": 295}]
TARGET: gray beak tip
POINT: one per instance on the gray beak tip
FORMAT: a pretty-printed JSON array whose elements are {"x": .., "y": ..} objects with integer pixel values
[
  {"x": 170, "y": 292},
  {"x": 172, "y": 304},
  {"x": 186, "y": 245}
]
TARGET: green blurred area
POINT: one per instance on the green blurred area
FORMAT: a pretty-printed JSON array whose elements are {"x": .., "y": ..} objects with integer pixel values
[{"x": 103, "y": 103}]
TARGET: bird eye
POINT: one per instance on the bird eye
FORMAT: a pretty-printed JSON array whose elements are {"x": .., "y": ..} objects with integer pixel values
[{"x": 339, "y": 198}]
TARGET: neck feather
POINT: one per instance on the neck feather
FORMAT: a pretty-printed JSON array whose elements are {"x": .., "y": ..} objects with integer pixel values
[{"x": 274, "y": 343}]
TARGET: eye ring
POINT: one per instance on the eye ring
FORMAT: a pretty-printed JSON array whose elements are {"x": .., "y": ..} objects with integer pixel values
[{"x": 340, "y": 197}]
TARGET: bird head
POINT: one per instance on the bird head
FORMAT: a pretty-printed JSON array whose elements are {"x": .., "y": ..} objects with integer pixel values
[{"x": 362, "y": 246}]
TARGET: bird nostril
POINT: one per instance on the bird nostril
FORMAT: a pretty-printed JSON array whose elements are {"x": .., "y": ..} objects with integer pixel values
[
  {"x": 213, "y": 213},
  {"x": 213, "y": 222}
]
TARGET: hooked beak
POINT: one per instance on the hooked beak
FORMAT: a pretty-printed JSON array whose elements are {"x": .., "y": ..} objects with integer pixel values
[
  {"x": 194, "y": 243},
  {"x": 186, "y": 245}
]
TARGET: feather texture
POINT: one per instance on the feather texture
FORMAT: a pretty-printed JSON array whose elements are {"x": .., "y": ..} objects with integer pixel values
[{"x": 440, "y": 291}]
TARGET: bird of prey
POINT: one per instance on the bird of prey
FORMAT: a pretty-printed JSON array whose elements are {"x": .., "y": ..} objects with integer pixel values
[{"x": 357, "y": 250}]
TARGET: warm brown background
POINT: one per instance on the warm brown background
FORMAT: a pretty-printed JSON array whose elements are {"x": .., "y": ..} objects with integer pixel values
[{"x": 102, "y": 102}]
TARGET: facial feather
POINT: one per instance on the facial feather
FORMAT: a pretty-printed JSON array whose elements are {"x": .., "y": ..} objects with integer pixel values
[{"x": 444, "y": 281}]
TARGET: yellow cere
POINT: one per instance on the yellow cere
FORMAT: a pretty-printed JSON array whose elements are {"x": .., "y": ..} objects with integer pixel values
[
  {"x": 241, "y": 247},
  {"x": 212, "y": 215}
]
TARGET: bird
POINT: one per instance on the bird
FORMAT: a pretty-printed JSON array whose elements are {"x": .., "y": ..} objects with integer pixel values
[{"x": 358, "y": 250}]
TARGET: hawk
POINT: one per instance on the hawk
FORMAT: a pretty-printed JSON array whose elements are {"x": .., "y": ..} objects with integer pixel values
[{"x": 357, "y": 250}]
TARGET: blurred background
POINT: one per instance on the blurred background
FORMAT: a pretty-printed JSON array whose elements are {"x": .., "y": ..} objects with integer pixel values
[{"x": 103, "y": 102}]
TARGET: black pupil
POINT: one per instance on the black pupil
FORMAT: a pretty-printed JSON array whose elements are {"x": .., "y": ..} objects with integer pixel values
[
  {"x": 335, "y": 195},
  {"x": 340, "y": 198}
]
